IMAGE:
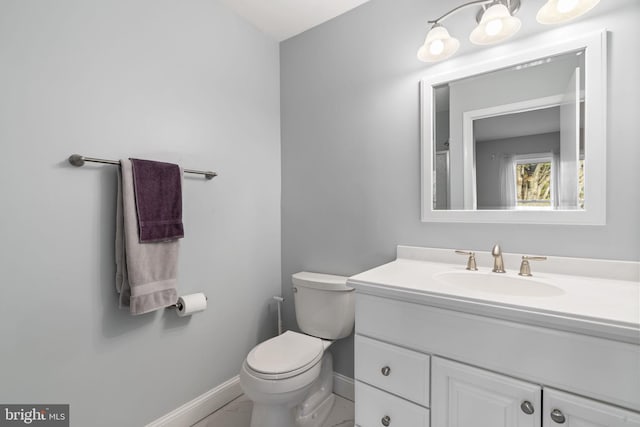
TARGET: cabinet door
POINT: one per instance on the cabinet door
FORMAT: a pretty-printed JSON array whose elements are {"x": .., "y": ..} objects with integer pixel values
[
  {"x": 566, "y": 410},
  {"x": 463, "y": 396}
]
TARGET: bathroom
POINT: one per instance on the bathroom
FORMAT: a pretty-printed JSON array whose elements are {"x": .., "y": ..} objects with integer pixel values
[{"x": 316, "y": 140}]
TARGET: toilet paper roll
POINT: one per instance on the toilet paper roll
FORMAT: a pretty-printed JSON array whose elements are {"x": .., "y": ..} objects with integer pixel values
[{"x": 192, "y": 303}]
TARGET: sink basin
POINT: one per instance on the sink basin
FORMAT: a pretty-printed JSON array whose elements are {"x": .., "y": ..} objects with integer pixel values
[{"x": 497, "y": 283}]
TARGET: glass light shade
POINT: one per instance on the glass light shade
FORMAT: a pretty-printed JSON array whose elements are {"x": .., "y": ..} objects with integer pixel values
[
  {"x": 558, "y": 11},
  {"x": 496, "y": 25},
  {"x": 438, "y": 45}
]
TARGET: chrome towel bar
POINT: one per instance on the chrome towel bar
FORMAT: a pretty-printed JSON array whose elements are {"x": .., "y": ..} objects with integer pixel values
[{"x": 78, "y": 160}]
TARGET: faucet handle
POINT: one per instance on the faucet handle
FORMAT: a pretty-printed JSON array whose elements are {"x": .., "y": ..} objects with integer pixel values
[
  {"x": 496, "y": 250},
  {"x": 471, "y": 262},
  {"x": 525, "y": 268}
]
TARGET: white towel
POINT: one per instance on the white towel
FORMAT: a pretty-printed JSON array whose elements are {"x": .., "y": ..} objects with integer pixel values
[{"x": 145, "y": 272}]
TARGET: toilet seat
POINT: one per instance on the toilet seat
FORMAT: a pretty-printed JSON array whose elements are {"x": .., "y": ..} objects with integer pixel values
[{"x": 285, "y": 356}]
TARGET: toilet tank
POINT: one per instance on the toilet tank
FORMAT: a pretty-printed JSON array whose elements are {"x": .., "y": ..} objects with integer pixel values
[{"x": 324, "y": 304}]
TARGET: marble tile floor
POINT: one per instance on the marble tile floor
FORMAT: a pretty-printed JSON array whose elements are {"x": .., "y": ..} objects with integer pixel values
[{"x": 237, "y": 413}]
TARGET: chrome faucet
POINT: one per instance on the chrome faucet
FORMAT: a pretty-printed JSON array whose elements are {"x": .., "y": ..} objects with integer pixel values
[{"x": 498, "y": 263}]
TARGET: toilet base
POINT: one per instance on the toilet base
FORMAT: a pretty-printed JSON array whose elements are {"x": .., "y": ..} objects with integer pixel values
[
  {"x": 319, "y": 415},
  {"x": 320, "y": 399},
  {"x": 272, "y": 415}
]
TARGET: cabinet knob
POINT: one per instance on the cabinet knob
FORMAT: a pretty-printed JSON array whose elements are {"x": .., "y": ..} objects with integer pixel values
[
  {"x": 527, "y": 407},
  {"x": 385, "y": 420},
  {"x": 558, "y": 416},
  {"x": 386, "y": 371}
]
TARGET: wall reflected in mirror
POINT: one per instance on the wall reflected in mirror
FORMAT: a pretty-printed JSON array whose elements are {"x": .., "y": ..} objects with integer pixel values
[{"x": 512, "y": 138}]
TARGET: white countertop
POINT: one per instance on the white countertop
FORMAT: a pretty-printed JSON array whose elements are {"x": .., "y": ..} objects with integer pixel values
[{"x": 604, "y": 301}]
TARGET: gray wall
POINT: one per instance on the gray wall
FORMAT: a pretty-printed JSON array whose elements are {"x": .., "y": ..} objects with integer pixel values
[
  {"x": 184, "y": 81},
  {"x": 351, "y": 144}
]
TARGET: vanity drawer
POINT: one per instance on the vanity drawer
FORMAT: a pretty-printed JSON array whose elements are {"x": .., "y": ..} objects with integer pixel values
[
  {"x": 375, "y": 405},
  {"x": 392, "y": 368}
]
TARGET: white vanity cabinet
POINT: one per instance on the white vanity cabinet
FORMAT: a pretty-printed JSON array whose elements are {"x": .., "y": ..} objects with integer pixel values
[
  {"x": 418, "y": 365},
  {"x": 437, "y": 345}
]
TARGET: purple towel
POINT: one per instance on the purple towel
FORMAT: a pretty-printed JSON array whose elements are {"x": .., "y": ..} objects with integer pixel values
[{"x": 158, "y": 192}]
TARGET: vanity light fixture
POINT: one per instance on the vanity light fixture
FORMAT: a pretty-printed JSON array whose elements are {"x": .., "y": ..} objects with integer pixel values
[{"x": 496, "y": 23}]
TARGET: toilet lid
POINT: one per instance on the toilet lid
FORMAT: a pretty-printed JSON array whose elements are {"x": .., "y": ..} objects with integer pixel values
[{"x": 285, "y": 353}]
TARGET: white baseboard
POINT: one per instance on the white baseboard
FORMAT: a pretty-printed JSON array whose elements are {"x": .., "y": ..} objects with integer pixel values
[
  {"x": 200, "y": 407},
  {"x": 214, "y": 399},
  {"x": 343, "y": 386}
]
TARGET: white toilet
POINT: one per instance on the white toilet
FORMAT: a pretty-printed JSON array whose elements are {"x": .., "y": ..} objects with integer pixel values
[{"x": 289, "y": 378}]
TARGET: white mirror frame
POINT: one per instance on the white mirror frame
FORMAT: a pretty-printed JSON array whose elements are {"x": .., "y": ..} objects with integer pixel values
[{"x": 595, "y": 46}]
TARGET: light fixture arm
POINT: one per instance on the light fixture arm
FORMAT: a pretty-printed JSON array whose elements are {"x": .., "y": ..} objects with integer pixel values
[{"x": 462, "y": 6}]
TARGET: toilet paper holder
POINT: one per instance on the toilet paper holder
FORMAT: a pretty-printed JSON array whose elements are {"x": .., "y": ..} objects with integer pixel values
[{"x": 179, "y": 306}]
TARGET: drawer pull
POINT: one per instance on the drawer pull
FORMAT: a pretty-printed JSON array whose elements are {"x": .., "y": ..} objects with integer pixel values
[
  {"x": 385, "y": 420},
  {"x": 527, "y": 407},
  {"x": 386, "y": 371},
  {"x": 557, "y": 416}
]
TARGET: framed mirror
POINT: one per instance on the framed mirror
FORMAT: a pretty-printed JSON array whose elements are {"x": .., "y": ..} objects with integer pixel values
[{"x": 519, "y": 138}]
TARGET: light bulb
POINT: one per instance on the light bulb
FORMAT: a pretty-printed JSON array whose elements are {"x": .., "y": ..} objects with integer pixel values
[
  {"x": 565, "y": 6},
  {"x": 497, "y": 24},
  {"x": 559, "y": 11},
  {"x": 494, "y": 27},
  {"x": 436, "y": 47}
]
